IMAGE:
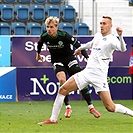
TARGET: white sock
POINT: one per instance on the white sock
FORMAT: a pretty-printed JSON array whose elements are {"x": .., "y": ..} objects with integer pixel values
[
  {"x": 68, "y": 106},
  {"x": 57, "y": 107},
  {"x": 90, "y": 106},
  {"x": 124, "y": 110}
]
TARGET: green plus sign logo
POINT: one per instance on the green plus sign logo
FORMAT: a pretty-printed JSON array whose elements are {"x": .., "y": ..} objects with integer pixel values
[{"x": 44, "y": 79}]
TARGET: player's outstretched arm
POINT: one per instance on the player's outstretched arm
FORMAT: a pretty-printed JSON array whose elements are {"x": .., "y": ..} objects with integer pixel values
[
  {"x": 122, "y": 42},
  {"x": 119, "y": 31}
]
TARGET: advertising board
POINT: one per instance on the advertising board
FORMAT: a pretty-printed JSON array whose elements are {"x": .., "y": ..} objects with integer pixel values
[
  {"x": 40, "y": 84},
  {"x": 7, "y": 84},
  {"x": 24, "y": 52},
  {"x": 5, "y": 54}
]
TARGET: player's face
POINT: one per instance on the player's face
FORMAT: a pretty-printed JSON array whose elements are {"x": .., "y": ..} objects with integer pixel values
[
  {"x": 105, "y": 26},
  {"x": 51, "y": 29}
]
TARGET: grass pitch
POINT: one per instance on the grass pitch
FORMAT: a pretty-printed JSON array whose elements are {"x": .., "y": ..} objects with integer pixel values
[{"x": 22, "y": 117}]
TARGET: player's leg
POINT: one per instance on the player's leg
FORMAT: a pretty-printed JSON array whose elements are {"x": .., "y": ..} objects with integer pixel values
[
  {"x": 68, "y": 86},
  {"x": 85, "y": 91},
  {"x": 68, "y": 107},
  {"x": 111, "y": 106},
  {"x": 87, "y": 96},
  {"x": 61, "y": 73},
  {"x": 66, "y": 101},
  {"x": 62, "y": 79},
  {"x": 73, "y": 83},
  {"x": 61, "y": 76}
]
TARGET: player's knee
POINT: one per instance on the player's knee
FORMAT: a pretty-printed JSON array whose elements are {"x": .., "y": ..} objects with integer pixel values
[{"x": 63, "y": 90}]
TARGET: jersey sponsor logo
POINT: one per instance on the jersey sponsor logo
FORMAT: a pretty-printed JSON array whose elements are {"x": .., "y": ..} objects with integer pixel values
[
  {"x": 55, "y": 46},
  {"x": 104, "y": 39},
  {"x": 61, "y": 45},
  {"x": 96, "y": 48}
]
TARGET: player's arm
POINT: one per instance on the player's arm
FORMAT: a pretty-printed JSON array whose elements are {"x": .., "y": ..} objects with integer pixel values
[
  {"x": 122, "y": 46},
  {"x": 83, "y": 52},
  {"x": 87, "y": 45},
  {"x": 72, "y": 40},
  {"x": 39, "y": 47}
]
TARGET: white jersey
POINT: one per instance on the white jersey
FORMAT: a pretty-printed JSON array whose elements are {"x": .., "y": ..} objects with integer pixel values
[
  {"x": 102, "y": 49},
  {"x": 96, "y": 71}
]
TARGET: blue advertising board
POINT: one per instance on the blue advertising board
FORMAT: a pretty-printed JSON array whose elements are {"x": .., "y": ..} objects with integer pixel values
[
  {"x": 41, "y": 84},
  {"x": 7, "y": 84},
  {"x": 5, "y": 55}
]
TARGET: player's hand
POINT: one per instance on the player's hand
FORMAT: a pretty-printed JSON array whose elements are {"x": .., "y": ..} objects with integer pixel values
[
  {"x": 77, "y": 52},
  {"x": 87, "y": 58},
  {"x": 119, "y": 31},
  {"x": 39, "y": 58}
]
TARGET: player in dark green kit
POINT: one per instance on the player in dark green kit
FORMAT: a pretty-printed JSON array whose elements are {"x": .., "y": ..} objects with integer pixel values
[{"x": 62, "y": 58}]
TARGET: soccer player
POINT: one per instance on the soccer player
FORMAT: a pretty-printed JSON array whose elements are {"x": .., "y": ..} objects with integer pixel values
[
  {"x": 62, "y": 59},
  {"x": 102, "y": 47}
]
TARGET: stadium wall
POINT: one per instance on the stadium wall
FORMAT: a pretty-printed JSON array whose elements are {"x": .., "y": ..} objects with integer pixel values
[{"x": 22, "y": 78}]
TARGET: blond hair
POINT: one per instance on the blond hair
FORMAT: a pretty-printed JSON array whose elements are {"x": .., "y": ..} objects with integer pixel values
[{"x": 52, "y": 19}]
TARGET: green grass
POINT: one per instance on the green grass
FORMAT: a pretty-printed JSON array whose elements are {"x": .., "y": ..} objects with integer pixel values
[{"x": 22, "y": 117}]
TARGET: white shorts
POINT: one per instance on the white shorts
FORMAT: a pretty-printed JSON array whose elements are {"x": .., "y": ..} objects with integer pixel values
[{"x": 96, "y": 78}]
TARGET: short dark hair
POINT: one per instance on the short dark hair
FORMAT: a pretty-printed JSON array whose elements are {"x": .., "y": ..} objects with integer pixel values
[
  {"x": 132, "y": 45},
  {"x": 107, "y": 17}
]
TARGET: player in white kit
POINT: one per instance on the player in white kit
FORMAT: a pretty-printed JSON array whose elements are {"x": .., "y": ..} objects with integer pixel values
[{"x": 102, "y": 47}]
